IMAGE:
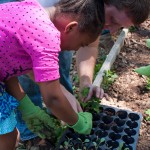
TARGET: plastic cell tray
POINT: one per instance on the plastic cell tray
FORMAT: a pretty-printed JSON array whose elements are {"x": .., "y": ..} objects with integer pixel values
[{"x": 113, "y": 129}]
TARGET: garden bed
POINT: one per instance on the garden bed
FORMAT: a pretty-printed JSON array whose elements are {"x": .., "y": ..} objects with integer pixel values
[{"x": 129, "y": 90}]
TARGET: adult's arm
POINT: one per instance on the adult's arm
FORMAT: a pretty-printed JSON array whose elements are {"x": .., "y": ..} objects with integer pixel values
[{"x": 86, "y": 59}]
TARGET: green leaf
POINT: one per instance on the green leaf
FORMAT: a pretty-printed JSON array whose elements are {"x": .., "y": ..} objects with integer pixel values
[
  {"x": 95, "y": 144},
  {"x": 66, "y": 143},
  {"x": 85, "y": 91},
  {"x": 86, "y": 140},
  {"x": 61, "y": 146},
  {"x": 147, "y": 112},
  {"x": 120, "y": 146},
  {"x": 102, "y": 140}
]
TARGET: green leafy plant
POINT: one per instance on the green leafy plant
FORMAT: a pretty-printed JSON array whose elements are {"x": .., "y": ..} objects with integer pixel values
[
  {"x": 56, "y": 126},
  {"x": 97, "y": 68},
  {"x": 92, "y": 105},
  {"x": 148, "y": 83},
  {"x": 133, "y": 29},
  {"x": 67, "y": 144},
  {"x": 147, "y": 112},
  {"x": 108, "y": 78},
  {"x": 99, "y": 141},
  {"x": 99, "y": 63},
  {"x": 120, "y": 146}
]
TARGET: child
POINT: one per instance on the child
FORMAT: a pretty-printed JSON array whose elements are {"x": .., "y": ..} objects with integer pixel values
[{"x": 31, "y": 39}]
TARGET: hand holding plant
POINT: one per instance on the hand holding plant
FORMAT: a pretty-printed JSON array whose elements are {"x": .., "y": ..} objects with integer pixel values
[
  {"x": 94, "y": 91},
  {"x": 92, "y": 105},
  {"x": 84, "y": 123}
]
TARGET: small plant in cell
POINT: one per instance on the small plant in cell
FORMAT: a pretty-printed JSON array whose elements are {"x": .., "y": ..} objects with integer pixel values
[{"x": 147, "y": 112}]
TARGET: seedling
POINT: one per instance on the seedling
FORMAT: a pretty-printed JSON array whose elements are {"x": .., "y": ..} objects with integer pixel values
[
  {"x": 67, "y": 144},
  {"x": 108, "y": 78},
  {"x": 148, "y": 83},
  {"x": 147, "y": 112},
  {"x": 120, "y": 146},
  {"x": 97, "y": 68},
  {"x": 148, "y": 43},
  {"x": 99, "y": 142},
  {"x": 55, "y": 131},
  {"x": 93, "y": 105},
  {"x": 133, "y": 29}
]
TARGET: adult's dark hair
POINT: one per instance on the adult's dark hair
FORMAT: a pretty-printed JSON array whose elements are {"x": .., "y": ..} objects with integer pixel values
[
  {"x": 137, "y": 10},
  {"x": 90, "y": 14}
]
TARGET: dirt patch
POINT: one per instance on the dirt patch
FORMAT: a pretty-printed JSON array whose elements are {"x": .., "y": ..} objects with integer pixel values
[{"x": 128, "y": 91}]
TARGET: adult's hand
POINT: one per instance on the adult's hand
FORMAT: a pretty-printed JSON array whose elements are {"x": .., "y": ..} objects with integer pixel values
[
  {"x": 72, "y": 100},
  {"x": 96, "y": 92}
]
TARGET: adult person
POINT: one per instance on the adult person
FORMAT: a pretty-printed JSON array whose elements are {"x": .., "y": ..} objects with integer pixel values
[{"x": 124, "y": 13}]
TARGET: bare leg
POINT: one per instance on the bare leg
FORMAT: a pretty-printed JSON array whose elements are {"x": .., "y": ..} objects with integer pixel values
[
  {"x": 8, "y": 141},
  {"x": 18, "y": 138}
]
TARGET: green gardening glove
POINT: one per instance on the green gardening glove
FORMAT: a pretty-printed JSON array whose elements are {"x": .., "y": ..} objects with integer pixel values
[
  {"x": 145, "y": 70},
  {"x": 38, "y": 121},
  {"x": 84, "y": 123}
]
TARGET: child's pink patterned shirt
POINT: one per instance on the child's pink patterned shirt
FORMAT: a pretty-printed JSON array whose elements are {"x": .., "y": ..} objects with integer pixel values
[{"x": 28, "y": 40}]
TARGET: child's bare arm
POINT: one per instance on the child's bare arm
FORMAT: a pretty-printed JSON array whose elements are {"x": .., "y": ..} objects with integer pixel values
[
  {"x": 57, "y": 102},
  {"x": 14, "y": 88}
]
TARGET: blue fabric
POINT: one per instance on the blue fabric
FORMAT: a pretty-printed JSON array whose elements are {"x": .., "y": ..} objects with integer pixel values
[
  {"x": 6, "y": 1},
  {"x": 105, "y": 32},
  {"x": 65, "y": 60},
  {"x": 9, "y": 124},
  {"x": 7, "y": 103}
]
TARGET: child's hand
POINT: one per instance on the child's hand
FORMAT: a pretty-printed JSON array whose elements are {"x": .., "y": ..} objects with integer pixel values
[
  {"x": 36, "y": 119},
  {"x": 84, "y": 123}
]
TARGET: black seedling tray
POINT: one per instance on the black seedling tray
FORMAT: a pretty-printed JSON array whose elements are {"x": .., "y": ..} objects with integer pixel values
[{"x": 113, "y": 129}]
